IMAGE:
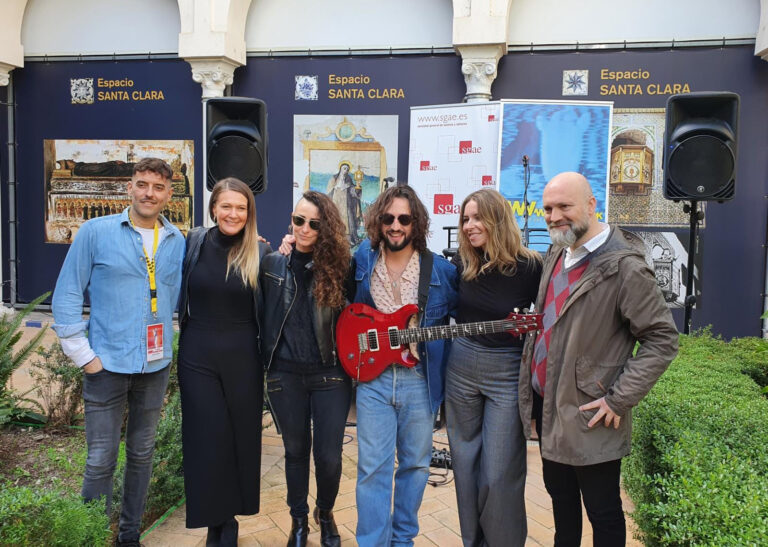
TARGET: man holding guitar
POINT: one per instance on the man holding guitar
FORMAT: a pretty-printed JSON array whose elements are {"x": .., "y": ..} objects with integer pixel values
[{"x": 396, "y": 409}]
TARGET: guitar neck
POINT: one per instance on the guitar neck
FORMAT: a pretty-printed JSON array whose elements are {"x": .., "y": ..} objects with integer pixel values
[{"x": 441, "y": 332}]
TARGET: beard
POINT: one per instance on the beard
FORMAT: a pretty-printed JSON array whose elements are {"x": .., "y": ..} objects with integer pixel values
[
  {"x": 568, "y": 238},
  {"x": 394, "y": 247}
]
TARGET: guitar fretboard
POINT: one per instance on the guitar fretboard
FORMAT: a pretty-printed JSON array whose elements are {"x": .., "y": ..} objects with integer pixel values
[{"x": 440, "y": 332}]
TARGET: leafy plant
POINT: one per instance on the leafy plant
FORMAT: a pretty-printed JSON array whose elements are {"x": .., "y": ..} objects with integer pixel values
[
  {"x": 59, "y": 385},
  {"x": 698, "y": 472},
  {"x": 10, "y": 360},
  {"x": 50, "y": 517}
]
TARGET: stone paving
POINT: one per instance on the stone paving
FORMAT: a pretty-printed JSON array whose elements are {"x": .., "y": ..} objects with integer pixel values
[{"x": 438, "y": 516}]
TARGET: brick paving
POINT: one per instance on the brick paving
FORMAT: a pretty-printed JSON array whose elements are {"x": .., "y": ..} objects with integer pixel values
[{"x": 438, "y": 516}]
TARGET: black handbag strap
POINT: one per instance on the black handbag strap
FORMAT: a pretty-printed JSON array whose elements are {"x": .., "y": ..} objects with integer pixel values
[{"x": 425, "y": 274}]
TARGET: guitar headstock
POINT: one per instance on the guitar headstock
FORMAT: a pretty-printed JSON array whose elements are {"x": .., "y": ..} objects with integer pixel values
[{"x": 518, "y": 323}]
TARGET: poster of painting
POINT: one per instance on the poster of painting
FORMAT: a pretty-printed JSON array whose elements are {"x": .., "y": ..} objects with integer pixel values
[
  {"x": 667, "y": 254},
  {"x": 349, "y": 158},
  {"x": 635, "y": 195},
  {"x": 555, "y": 136},
  {"x": 453, "y": 151},
  {"x": 86, "y": 179}
]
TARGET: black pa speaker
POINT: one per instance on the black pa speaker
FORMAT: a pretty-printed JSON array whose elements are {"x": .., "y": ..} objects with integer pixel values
[
  {"x": 236, "y": 141},
  {"x": 700, "y": 144}
]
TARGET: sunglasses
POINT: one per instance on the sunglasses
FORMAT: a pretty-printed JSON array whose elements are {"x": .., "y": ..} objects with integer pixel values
[
  {"x": 299, "y": 221},
  {"x": 388, "y": 219}
]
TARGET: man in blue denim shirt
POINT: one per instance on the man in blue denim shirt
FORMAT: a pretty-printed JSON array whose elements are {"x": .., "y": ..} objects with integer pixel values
[
  {"x": 395, "y": 411},
  {"x": 130, "y": 266}
]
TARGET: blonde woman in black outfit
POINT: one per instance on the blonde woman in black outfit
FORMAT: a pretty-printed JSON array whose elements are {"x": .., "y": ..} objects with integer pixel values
[
  {"x": 220, "y": 370},
  {"x": 496, "y": 275},
  {"x": 308, "y": 390}
]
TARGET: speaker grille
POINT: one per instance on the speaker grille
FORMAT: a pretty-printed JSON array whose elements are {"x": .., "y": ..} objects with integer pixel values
[
  {"x": 701, "y": 167},
  {"x": 236, "y": 156}
]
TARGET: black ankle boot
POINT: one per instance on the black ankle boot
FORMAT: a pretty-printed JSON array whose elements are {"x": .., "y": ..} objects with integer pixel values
[
  {"x": 299, "y": 532},
  {"x": 214, "y": 536},
  {"x": 229, "y": 532},
  {"x": 329, "y": 534}
]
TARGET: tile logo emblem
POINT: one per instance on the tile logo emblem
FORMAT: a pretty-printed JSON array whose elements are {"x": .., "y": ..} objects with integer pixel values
[
  {"x": 81, "y": 90},
  {"x": 575, "y": 82},
  {"x": 306, "y": 88}
]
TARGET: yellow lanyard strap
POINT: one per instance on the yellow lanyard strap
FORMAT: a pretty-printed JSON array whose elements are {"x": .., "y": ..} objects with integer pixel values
[{"x": 151, "y": 267}]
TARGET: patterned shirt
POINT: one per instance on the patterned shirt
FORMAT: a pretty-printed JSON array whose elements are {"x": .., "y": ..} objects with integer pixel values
[{"x": 382, "y": 289}]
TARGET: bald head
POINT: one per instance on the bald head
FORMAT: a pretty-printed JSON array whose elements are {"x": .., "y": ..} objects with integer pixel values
[
  {"x": 573, "y": 182},
  {"x": 569, "y": 208}
]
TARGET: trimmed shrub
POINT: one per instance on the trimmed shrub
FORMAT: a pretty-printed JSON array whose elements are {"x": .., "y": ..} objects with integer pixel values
[
  {"x": 698, "y": 472},
  {"x": 38, "y": 517}
]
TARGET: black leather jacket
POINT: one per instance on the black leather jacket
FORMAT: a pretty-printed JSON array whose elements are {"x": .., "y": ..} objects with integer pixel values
[
  {"x": 278, "y": 292},
  {"x": 195, "y": 239}
]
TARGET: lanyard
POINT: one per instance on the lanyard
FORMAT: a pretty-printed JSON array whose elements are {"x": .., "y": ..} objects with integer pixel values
[{"x": 150, "y": 267}]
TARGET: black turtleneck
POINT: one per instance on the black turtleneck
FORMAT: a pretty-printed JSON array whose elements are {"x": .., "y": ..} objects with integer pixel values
[
  {"x": 212, "y": 298},
  {"x": 494, "y": 295}
]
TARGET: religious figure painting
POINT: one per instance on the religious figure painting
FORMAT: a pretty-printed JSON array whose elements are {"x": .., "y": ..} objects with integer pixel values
[
  {"x": 86, "y": 179},
  {"x": 349, "y": 158}
]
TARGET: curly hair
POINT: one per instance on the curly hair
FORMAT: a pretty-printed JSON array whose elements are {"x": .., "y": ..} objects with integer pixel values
[
  {"x": 504, "y": 247},
  {"x": 330, "y": 255},
  {"x": 420, "y": 223}
]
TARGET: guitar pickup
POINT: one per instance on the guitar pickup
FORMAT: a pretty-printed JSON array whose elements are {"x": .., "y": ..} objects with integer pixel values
[
  {"x": 394, "y": 338},
  {"x": 373, "y": 340}
]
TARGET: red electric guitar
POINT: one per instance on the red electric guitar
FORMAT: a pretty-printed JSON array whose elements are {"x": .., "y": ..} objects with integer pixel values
[{"x": 368, "y": 341}]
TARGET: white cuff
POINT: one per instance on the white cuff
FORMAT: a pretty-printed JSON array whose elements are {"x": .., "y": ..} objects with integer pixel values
[{"x": 78, "y": 349}]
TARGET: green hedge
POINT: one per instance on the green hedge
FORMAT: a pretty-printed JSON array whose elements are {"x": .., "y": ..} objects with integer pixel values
[
  {"x": 36, "y": 517},
  {"x": 698, "y": 472}
]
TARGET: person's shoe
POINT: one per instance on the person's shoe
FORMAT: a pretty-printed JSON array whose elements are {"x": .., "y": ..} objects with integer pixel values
[
  {"x": 299, "y": 532},
  {"x": 131, "y": 543},
  {"x": 229, "y": 532},
  {"x": 214, "y": 536},
  {"x": 329, "y": 533}
]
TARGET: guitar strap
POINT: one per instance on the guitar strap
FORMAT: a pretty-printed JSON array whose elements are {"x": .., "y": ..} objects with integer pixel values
[{"x": 425, "y": 274}]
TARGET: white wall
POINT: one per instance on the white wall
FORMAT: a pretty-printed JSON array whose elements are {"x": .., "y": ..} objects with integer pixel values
[
  {"x": 91, "y": 27},
  {"x": 343, "y": 24},
  {"x": 561, "y": 21},
  {"x": 94, "y": 27}
]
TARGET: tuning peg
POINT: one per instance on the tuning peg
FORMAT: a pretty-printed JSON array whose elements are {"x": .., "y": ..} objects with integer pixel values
[
  {"x": 526, "y": 310},
  {"x": 517, "y": 310}
]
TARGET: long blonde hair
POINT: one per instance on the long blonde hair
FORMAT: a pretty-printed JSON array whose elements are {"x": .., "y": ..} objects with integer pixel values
[
  {"x": 243, "y": 257},
  {"x": 503, "y": 247}
]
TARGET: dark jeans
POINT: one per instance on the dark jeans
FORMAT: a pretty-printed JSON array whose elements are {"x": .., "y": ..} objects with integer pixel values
[
  {"x": 598, "y": 484},
  {"x": 106, "y": 394},
  {"x": 322, "y": 397}
]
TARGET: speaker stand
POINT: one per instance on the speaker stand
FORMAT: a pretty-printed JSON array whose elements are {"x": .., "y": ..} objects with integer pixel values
[{"x": 690, "y": 298}]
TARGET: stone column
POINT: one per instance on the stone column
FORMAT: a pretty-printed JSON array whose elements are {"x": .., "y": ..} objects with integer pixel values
[
  {"x": 478, "y": 64},
  {"x": 213, "y": 74},
  {"x": 11, "y": 49},
  {"x": 480, "y": 30},
  {"x": 761, "y": 41}
]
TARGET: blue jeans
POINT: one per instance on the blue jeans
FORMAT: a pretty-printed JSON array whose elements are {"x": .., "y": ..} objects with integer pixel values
[
  {"x": 393, "y": 414},
  {"x": 106, "y": 394},
  {"x": 487, "y": 443}
]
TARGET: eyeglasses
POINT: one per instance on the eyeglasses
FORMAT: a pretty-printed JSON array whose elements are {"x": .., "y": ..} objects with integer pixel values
[
  {"x": 388, "y": 219},
  {"x": 299, "y": 221}
]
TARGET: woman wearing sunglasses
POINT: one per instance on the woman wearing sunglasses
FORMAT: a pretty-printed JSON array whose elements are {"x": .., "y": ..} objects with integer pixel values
[
  {"x": 308, "y": 391},
  {"x": 496, "y": 275},
  {"x": 220, "y": 369}
]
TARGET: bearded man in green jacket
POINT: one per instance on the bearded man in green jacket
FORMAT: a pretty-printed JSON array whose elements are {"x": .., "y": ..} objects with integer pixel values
[{"x": 580, "y": 379}]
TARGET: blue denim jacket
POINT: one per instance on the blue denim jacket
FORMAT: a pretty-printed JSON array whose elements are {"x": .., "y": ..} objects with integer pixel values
[
  {"x": 441, "y": 304},
  {"x": 107, "y": 260}
]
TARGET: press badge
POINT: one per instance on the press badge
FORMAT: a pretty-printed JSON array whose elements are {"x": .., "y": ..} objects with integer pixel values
[{"x": 154, "y": 342}]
